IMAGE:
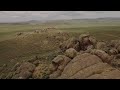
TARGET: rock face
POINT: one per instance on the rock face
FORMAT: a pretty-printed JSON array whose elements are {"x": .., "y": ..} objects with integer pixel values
[
  {"x": 58, "y": 65},
  {"x": 78, "y": 63},
  {"x": 101, "y": 54},
  {"x": 87, "y": 66},
  {"x": 91, "y": 59}
]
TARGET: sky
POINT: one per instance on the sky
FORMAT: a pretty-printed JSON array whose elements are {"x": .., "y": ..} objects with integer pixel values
[{"x": 16, "y": 16}]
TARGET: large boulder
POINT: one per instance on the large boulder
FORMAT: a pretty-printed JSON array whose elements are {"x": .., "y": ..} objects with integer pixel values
[
  {"x": 93, "y": 40},
  {"x": 86, "y": 40},
  {"x": 116, "y": 61},
  {"x": 79, "y": 63},
  {"x": 83, "y": 36},
  {"x": 100, "y": 45},
  {"x": 58, "y": 65},
  {"x": 91, "y": 70},
  {"x": 70, "y": 43},
  {"x": 87, "y": 66},
  {"x": 102, "y": 54},
  {"x": 108, "y": 74},
  {"x": 114, "y": 43},
  {"x": 71, "y": 53},
  {"x": 113, "y": 51}
]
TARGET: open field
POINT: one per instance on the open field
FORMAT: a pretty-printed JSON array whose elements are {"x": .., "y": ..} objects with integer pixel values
[
  {"x": 14, "y": 49},
  {"x": 8, "y": 31}
]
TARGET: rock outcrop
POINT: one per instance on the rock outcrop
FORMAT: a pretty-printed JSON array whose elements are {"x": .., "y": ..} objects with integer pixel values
[{"x": 91, "y": 59}]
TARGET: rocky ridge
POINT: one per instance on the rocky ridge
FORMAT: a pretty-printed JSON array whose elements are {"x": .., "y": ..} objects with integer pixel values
[{"x": 87, "y": 58}]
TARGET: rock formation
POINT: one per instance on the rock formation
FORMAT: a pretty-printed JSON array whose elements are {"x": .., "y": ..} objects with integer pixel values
[{"x": 87, "y": 58}]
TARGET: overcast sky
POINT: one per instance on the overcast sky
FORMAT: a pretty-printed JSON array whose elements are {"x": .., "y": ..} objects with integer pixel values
[{"x": 13, "y": 16}]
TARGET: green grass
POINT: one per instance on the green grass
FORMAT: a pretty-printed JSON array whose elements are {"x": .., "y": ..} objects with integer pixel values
[
  {"x": 8, "y": 31},
  {"x": 100, "y": 32}
]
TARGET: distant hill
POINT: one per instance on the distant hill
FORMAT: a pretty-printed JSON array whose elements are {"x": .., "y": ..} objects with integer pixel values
[{"x": 107, "y": 19}]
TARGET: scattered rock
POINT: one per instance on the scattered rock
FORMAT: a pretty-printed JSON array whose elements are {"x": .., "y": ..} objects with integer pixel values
[
  {"x": 71, "y": 53},
  {"x": 41, "y": 71}
]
